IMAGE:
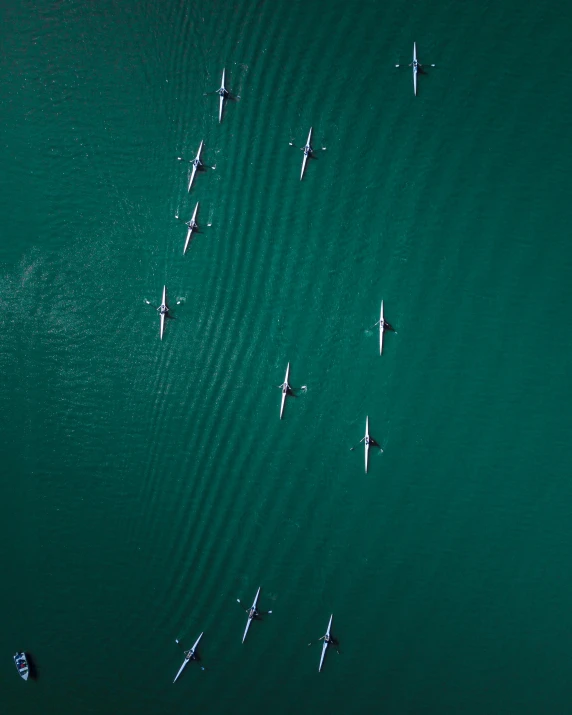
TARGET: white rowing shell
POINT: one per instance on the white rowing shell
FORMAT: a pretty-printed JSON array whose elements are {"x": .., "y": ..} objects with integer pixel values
[
  {"x": 381, "y": 329},
  {"x": 366, "y": 442},
  {"x": 250, "y": 619},
  {"x": 284, "y": 392},
  {"x": 221, "y": 100},
  {"x": 194, "y": 169},
  {"x": 325, "y": 645},
  {"x": 190, "y": 231},
  {"x": 188, "y": 657},
  {"x": 162, "y": 315},
  {"x": 305, "y": 159},
  {"x": 414, "y": 69}
]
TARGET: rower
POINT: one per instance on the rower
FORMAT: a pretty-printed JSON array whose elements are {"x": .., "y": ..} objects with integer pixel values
[
  {"x": 163, "y": 310},
  {"x": 222, "y": 92},
  {"x": 191, "y": 224},
  {"x": 252, "y": 613},
  {"x": 196, "y": 162}
]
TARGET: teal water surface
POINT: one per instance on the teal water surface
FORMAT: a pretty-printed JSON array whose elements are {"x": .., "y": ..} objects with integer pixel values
[{"x": 147, "y": 485}]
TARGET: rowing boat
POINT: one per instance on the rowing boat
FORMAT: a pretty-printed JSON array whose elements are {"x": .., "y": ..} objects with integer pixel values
[
  {"x": 415, "y": 68},
  {"x": 249, "y": 618},
  {"x": 196, "y": 163},
  {"x": 163, "y": 311},
  {"x": 381, "y": 329},
  {"x": 307, "y": 151},
  {"x": 366, "y": 440},
  {"x": 326, "y": 643},
  {"x": 188, "y": 656},
  {"x": 222, "y": 93},
  {"x": 192, "y": 226},
  {"x": 285, "y": 387}
]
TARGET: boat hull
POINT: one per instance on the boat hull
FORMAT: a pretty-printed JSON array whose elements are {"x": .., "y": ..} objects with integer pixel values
[
  {"x": 194, "y": 169},
  {"x": 191, "y": 229},
  {"x": 284, "y": 393},
  {"x": 306, "y": 154},
  {"x": 187, "y": 659},
  {"x": 162, "y": 315},
  {"x": 250, "y": 619},
  {"x": 381, "y": 329},
  {"x": 366, "y": 443},
  {"x": 325, "y": 644},
  {"x": 414, "y": 69},
  {"x": 22, "y": 665},
  {"x": 221, "y": 104}
]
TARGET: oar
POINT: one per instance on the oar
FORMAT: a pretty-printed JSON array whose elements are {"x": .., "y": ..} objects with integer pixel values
[
  {"x": 190, "y": 161},
  {"x": 331, "y": 643},
  {"x": 157, "y": 307},
  {"x": 357, "y": 445},
  {"x": 418, "y": 65},
  {"x": 373, "y": 443},
  {"x": 248, "y": 609}
]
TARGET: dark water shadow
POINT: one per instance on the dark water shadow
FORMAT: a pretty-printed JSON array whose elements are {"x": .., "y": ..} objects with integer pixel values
[{"x": 32, "y": 667}]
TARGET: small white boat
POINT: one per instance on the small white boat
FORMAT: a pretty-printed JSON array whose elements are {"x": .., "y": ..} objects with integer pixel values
[
  {"x": 367, "y": 441},
  {"x": 415, "y": 66},
  {"x": 189, "y": 654},
  {"x": 196, "y": 163},
  {"x": 381, "y": 329},
  {"x": 163, "y": 310},
  {"x": 21, "y": 662},
  {"x": 307, "y": 149},
  {"x": 325, "y": 644},
  {"x": 285, "y": 389},
  {"x": 222, "y": 92},
  {"x": 249, "y": 617},
  {"x": 192, "y": 226}
]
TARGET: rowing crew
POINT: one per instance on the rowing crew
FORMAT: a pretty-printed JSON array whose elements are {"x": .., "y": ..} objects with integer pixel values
[
  {"x": 190, "y": 654},
  {"x": 252, "y": 613},
  {"x": 162, "y": 309},
  {"x": 286, "y": 389},
  {"x": 386, "y": 325},
  {"x": 330, "y": 640}
]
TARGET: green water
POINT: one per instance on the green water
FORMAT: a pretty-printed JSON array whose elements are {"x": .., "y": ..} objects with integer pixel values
[{"x": 147, "y": 485}]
